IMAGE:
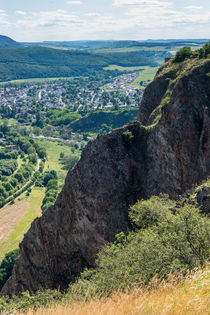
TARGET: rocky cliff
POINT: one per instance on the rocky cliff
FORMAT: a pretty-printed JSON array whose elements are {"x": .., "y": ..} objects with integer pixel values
[{"x": 166, "y": 150}]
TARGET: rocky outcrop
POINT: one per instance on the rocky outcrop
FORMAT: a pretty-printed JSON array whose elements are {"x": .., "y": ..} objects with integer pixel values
[{"x": 167, "y": 150}]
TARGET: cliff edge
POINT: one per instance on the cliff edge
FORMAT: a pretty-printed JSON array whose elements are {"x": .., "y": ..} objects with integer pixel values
[{"x": 167, "y": 150}]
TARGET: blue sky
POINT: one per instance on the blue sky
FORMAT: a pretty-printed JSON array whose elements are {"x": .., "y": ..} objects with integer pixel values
[{"x": 38, "y": 20}]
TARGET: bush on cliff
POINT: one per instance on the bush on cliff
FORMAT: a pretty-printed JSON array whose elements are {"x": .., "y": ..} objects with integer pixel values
[
  {"x": 166, "y": 240},
  {"x": 183, "y": 54}
]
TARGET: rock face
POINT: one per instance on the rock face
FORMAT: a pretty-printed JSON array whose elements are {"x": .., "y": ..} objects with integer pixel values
[{"x": 166, "y": 150}]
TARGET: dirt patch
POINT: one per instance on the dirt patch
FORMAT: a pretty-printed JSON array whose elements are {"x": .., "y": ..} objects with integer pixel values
[{"x": 9, "y": 216}]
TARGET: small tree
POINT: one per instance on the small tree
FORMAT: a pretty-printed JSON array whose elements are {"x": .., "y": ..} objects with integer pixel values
[{"x": 183, "y": 54}]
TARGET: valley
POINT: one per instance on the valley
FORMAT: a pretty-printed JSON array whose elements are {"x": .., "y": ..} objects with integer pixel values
[{"x": 129, "y": 210}]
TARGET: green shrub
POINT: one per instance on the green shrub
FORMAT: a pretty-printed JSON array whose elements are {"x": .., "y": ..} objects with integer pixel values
[
  {"x": 6, "y": 266},
  {"x": 182, "y": 54},
  {"x": 50, "y": 180},
  {"x": 127, "y": 136},
  {"x": 147, "y": 213},
  {"x": 169, "y": 242},
  {"x": 25, "y": 300}
]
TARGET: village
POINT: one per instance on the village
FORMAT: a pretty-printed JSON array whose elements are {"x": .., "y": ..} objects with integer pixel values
[{"x": 76, "y": 95}]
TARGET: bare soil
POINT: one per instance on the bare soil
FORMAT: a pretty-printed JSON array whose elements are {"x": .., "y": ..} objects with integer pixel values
[{"x": 9, "y": 215}]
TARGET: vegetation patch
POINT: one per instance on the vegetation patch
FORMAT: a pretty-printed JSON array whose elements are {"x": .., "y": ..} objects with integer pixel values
[{"x": 166, "y": 239}]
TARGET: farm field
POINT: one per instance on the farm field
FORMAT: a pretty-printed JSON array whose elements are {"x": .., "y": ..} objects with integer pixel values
[
  {"x": 147, "y": 74},
  {"x": 22, "y": 213},
  {"x": 120, "y": 68},
  {"x": 35, "y": 80},
  {"x": 53, "y": 152},
  {"x": 131, "y": 49},
  {"x": 27, "y": 208}
]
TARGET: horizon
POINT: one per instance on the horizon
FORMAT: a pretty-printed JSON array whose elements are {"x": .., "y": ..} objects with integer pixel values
[
  {"x": 113, "y": 40},
  {"x": 80, "y": 20}
]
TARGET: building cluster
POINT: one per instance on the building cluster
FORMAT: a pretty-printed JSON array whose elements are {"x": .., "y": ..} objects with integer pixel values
[{"x": 75, "y": 95}]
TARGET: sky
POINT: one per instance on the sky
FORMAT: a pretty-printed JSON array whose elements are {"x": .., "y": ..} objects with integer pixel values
[{"x": 68, "y": 20}]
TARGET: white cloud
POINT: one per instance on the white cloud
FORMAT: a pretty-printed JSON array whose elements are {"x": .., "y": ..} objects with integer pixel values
[
  {"x": 4, "y": 22},
  {"x": 48, "y": 19},
  {"x": 160, "y": 15},
  {"x": 128, "y": 19},
  {"x": 143, "y": 3},
  {"x": 92, "y": 14},
  {"x": 74, "y": 2},
  {"x": 193, "y": 7},
  {"x": 20, "y": 12}
]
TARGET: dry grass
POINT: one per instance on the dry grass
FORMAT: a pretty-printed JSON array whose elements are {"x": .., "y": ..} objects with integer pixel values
[{"x": 172, "y": 298}]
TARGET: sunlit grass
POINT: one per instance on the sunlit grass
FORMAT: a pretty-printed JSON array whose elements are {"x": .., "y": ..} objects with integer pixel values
[{"x": 171, "y": 298}]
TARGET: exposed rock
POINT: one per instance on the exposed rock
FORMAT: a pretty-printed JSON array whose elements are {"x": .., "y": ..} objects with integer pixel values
[
  {"x": 201, "y": 198},
  {"x": 169, "y": 154}
]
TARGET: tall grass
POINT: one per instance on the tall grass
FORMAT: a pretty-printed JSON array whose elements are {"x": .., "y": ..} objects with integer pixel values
[{"x": 176, "y": 296}]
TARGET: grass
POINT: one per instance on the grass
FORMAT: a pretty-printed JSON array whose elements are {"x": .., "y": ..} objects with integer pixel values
[
  {"x": 31, "y": 205},
  {"x": 32, "y": 210},
  {"x": 119, "y": 68},
  {"x": 174, "y": 297},
  {"x": 11, "y": 121},
  {"x": 53, "y": 152},
  {"x": 147, "y": 74},
  {"x": 35, "y": 80}
]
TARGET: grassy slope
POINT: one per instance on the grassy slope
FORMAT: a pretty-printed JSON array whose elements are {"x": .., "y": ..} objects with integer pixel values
[{"x": 171, "y": 298}]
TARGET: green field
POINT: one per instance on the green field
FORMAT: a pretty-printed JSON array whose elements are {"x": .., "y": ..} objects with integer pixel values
[
  {"x": 129, "y": 49},
  {"x": 31, "y": 206},
  {"x": 10, "y": 122},
  {"x": 35, "y": 80},
  {"x": 119, "y": 68},
  {"x": 147, "y": 74},
  {"x": 53, "y": 152},
  {"x": 27, "y": 208}
]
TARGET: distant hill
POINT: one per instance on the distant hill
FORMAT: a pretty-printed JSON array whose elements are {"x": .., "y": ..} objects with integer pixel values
[
  {"x": 110, "y": 44},
  {"x": 42, "y": 62},
  {"x": 83, "y": 44},
  {"x": 6, "y": 41}
]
